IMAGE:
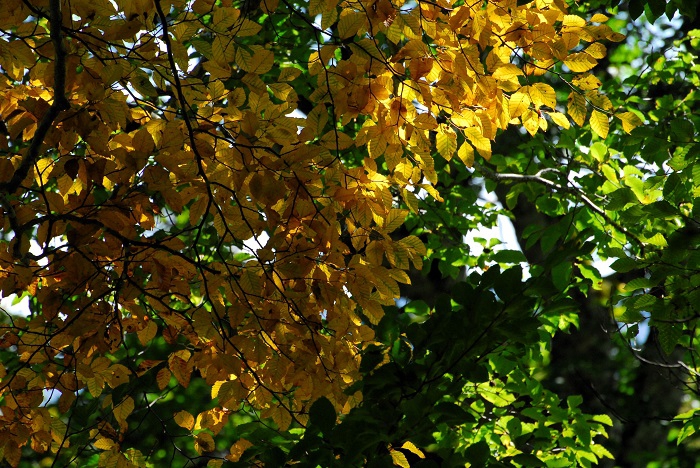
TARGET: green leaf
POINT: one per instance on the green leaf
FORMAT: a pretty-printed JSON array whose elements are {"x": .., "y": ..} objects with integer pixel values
[
  {"x": 603, "y": 419},
  {"x": 478, "y": 454},
  {"x": 509, "y": 256},
  {"x": 322, "y": 415}
]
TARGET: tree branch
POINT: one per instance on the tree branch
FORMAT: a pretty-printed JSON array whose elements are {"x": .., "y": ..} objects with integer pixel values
[
  {"x": 60, "y": 102},
  {"x": 539, "y": 179}
]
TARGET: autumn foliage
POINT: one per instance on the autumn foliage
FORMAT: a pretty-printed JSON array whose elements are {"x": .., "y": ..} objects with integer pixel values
[{"x": 205, "y": 173}]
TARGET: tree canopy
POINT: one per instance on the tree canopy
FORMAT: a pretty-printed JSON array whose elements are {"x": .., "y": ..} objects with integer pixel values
[{"x": 251, "y": 233}]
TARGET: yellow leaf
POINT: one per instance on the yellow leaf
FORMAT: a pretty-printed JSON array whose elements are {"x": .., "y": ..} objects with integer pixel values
[
  {"x": 410, "y": 198},
  {"x": 163, "y": 378},
  {"x": 282, "y": 418},
  {"x": 399, "y": 459},
  {"x": 466, "y": 154},
  {"x": 237, "y": 449},
  {"x": 586, "y": 82},
  {"x": 123, "y": 410},
  {"x": 599, "y": 123},
  {"x": 543, "y": 94},
  {"x": 596, "y": 50},
  {"x": 95, "y": 386},
  {"x": 184, "y": 419},
  {"x": 481, "y": 143},
  {"x": 104, "y": 444},
  {"x": 531, "y": 121},
  {"x": 372, "y": 310},
  {"x": 180, "y": 369},
  {"x": 518, "y": 103},
  {"x": 394, "y": 219},
  {"x": 254, "y": 59},
  {"x": 571, "y": 21},
  {"x": 250, "y": 281},
  {"x": 336, "y": 140},
  {"x": 408, "y": 445},
  {"x": 507, "y": 71},
  {"x": 415, "y": 244},
  {"x": 350, "y": 22},
  {"x": 559, "y": 119},
  {"x": 41, "y": 166},
  {"x": 446, "y": 142},
  {"x": 425, "y": 122},
  {"x": 204, "y": 442},
  {"x": 630, "y": 121},
  {"x": 577, "y": 108},
  {"x": 289, "y": 74},
  {"x": 580, "y": 62},
  {"x": 317, "y": 119},
  {"x": 599, "y": 100},
  {"x": 246, "y": 28},
  {"x": 147, "y": 333},
  {"x": 598, "y": 18}
]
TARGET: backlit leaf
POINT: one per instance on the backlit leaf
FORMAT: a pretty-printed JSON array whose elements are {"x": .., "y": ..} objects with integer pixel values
[
  {"x": 599, "y": 123},
  {"x": 580, "y": 62},
  {"x": 577, "y": 108}
]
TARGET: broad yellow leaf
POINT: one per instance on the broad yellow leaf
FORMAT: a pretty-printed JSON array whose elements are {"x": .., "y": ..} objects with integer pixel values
[
  {"x": 580, "y": 62},
  {"x": 466, "y": 154},
  {"x": 163, "y": 378},
  {"x": 571, "y": 21},
  {"x": 399, "y": 459},
  {"x": 598, "y": 18},
  {"x": 481, "y": 143},
  {"x": 446, "y": 142},
  {"x": 237, "y": 449},
  {"x": 350, "y": 22},
  {"x": 410, "y": 198},
  {"x": 543, "y": 94},
  {"x": 518, "y": 103},
  {"x": 197, "y": 210},
  {"x": 599, "y": 123},
  {"x": 394, "y": 219},
  {"x": 596, "y": 50},
  {"x": 250, "y": 281},
  {"x": 507, "y": 71},
  {"x": 289, "y": 74},
  {"x": 246, "y": 28},
  {"x": 586, "y": 82},
  {"x": 254, "y": 59},
  {"x": 336, "y": 140},
  {"x": 104, "y": 444},
  {"x": 410, "y": 446},
  {"x": 123, "y": 409},
  {"x": 577, "y": 108},
  {"x": 147, "y": 333},
  {"x": 204, "y": 442},
  {"x": 531, "y": 121},
  {"x": 599, "y": 100},
  {"x": 630, "y": 121},
  {"x": 425, "y": 122},
  {"x": 559, "y": 119},
  {"x": 184, "y": 419}
]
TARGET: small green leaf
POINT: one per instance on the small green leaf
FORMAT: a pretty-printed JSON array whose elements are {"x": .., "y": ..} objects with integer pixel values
[{"x": 509, "y": 256}]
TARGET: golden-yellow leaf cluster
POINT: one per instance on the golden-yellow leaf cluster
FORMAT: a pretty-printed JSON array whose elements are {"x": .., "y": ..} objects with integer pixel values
[{"x": 159, "y": 155}]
